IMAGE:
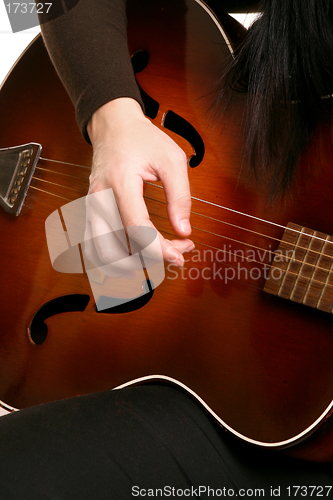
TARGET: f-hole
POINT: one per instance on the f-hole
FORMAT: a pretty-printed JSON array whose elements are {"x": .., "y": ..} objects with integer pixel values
[
  {"x": 171, "y": 121},
  {"x": 182, "y": 127},
  {"x": 67, "y": 303},
  {"x": 140, "y": 61}
]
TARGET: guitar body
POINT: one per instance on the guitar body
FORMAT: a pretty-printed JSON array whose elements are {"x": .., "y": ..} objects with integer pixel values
[{"x": 262, "y": 364}]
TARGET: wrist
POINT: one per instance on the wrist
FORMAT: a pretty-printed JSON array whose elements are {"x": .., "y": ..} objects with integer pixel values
[{"x": 113, "y": 114}]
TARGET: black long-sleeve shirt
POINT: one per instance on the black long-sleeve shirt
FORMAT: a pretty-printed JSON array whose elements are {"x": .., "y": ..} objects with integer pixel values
[{"x": 88, "y": 47}]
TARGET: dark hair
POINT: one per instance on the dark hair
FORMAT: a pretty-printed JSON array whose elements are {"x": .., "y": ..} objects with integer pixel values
[{"x": 285, "y": 65}]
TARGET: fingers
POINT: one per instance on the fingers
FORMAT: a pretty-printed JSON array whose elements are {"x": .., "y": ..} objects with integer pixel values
[
  {"x": 134, "y": 212},
  {"x": 105, "y": 239},
  {"x": 100, "y": 252},
  {"x": 184, "y": 245},
  {"x": 129, "y": 149}
]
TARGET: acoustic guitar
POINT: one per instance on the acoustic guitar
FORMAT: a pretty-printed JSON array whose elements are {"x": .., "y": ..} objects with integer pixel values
[{"x": 246, "y": 327}]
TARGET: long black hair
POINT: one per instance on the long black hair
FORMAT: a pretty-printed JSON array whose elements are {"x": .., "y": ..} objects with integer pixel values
[{"x": 286, "y": 67}]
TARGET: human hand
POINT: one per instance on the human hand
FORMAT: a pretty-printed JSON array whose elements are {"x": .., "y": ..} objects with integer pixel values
[{"x": 128, "y": 150}]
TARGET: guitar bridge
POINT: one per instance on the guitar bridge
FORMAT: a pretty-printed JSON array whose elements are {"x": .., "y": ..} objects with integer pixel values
[
  {"x": 302, "y": 268},
  {"x": 17, "y": 166}
]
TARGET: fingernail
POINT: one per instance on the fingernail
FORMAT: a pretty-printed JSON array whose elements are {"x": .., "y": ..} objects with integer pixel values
[
  {"x": 190, "y": 248},
  {"x": 185, "y": 226},
  {"x": 176, "y": 263}
]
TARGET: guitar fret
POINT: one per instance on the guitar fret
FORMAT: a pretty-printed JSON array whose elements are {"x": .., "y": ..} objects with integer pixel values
[
  {"x": 294, "y": 268},
  {"x": 281, "y": 260},
  {"x": 301, "y": 292},
  {"x": 320, "y": 274},
  {"x": 306, "y": 268},
  {"x": 325, "y": 302}
]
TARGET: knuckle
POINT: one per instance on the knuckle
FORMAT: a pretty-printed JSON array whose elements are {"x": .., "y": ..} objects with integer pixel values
[
  {"x": 133, "y": 221},
  {"x": 184, "y": 202},
  {"x": 179, "y": 157}
]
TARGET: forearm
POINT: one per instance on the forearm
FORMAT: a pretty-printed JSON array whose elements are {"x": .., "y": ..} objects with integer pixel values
[{"x": 88, "y": 47}]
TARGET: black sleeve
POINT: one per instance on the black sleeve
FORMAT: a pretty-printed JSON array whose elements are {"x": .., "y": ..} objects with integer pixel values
[
  {"x": 87, "y": 43},
  {"x": 88, "y": 47}
]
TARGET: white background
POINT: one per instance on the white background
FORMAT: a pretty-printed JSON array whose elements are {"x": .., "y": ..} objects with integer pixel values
[{"x": 11, "y": 44}]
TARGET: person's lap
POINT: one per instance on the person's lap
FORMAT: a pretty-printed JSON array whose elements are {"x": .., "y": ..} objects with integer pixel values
[{"x": 139, "y": 441}]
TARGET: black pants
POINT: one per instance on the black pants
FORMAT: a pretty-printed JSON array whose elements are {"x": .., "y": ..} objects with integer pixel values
[{"x": 149, "y": 441}]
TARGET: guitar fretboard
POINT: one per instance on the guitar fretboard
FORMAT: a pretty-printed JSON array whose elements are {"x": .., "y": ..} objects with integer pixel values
[{"x": 302, "y": 269}]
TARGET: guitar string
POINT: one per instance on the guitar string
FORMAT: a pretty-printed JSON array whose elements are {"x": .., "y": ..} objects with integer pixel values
[
  {"x": 194, "y": 227},
  {"x": 155, "y": 200},
  {"x": 286, "y": 257},
  {"x": 249, "y": 259},
  {"x": 192, "y": 212},
  {"x": 60, "y": 185},
  {"x": 293, "y": 246},
  {"x": 174, "y": 235},
  {"x": 65, "y": 163},
  {"x": 314, "y": 266},
  {"x": 206, "y": 202},
  {"x": 159, "y": 201},
  {"x": 51, "y": 194},
  {"x": 297, "y": 275},
  {"x": 212, "y": 204},
  {"x": 319, "y": 253},
  {"x": 58, "y": 173},
  {"x": 229, "y": 252},
  {"x": 324, "y": 284},
  {"x": 242, "y": 228},
  {"x": 273, "y": 266}
]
